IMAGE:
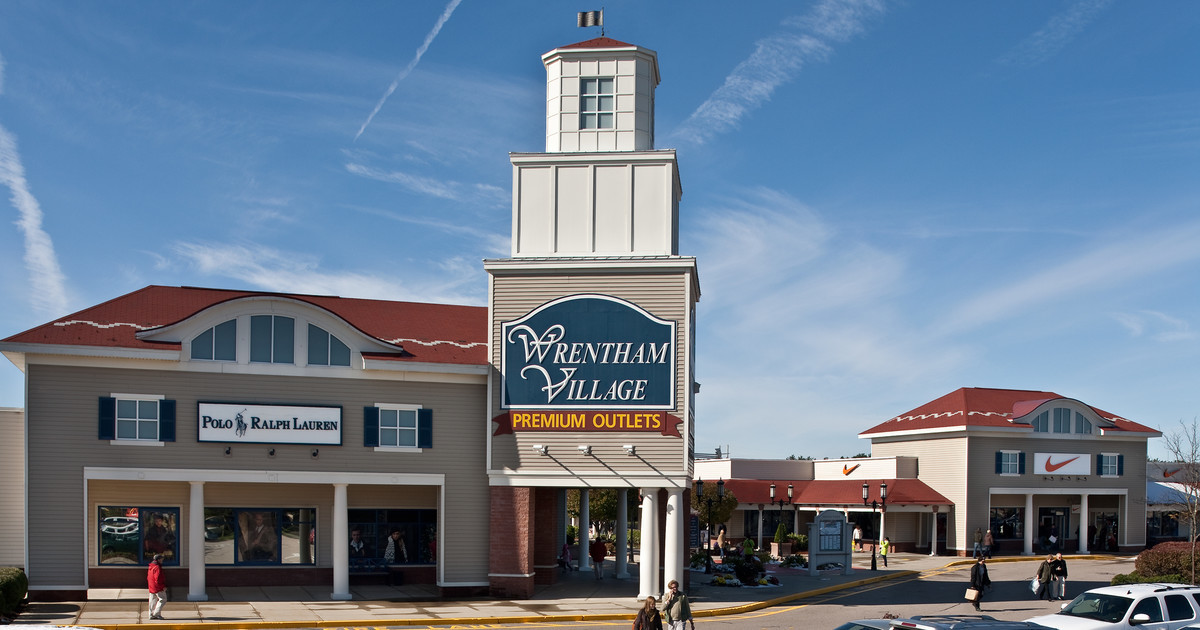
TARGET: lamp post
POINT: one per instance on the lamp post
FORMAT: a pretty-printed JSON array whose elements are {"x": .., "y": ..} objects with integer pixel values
[
  {"x": 880, "y": 506},
  {"x": 708, "y": 501},
  {"x": 781, "y": 502}
]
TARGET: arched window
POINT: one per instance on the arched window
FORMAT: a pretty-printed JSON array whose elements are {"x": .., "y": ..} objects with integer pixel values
[
  {"x": 325, "y": 349},
  {"x": 218, "y": 343}
]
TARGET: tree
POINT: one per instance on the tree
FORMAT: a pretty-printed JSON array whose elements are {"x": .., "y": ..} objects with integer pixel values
[
  {"x": 602, "y": 507},
  {"x": 1184, "y": 446},
  {"x": 722, "y": 509},
  {"x": 800, "y": 457}
]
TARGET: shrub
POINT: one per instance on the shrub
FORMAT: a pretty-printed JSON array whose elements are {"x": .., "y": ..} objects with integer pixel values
[
  {"x": 746, "y": 570},
  {"x": 796, "y": 560},
  {"x": 1169, "y": 558},
  {"x": 781, "y": 533},
  {"x": 1134, "y": 578},
  {"x": 13, "y": 586},
  {"x": 800, "y": 540},
  {"x": 572, "y": 532}
]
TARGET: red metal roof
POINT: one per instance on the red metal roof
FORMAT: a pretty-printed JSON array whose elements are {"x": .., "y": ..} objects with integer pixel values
[
  {"x": 833, "y": 492},
  {"x": 599, "y": 42},
  {"x": 984, "y": 407},
  {"x": 435, "y": 333}
]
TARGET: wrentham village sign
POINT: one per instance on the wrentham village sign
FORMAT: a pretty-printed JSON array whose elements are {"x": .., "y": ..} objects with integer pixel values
[{"x": 588, "y": 363}]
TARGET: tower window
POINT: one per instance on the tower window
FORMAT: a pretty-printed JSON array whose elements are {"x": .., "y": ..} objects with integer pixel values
[{"x": 596, "y": 103}]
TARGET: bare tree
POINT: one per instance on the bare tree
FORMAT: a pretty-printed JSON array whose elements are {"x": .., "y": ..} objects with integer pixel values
[{"x": 1184, "y": 446}]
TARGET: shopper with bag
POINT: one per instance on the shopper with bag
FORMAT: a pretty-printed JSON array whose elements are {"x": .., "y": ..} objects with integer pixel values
[
  {"x": 1045, "y": 573},
  {"x": 979, "y": 581}
]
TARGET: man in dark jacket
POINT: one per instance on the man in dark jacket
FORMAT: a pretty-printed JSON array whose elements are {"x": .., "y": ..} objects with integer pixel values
[
  {"x": 1045, "y": 574},
  {"x": 1059, "y": 569},
  {"x": 979, "y": 580}
]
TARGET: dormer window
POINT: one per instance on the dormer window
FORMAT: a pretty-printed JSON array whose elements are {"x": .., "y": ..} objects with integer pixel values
[
  {"x": 597, "y": 103},
  {"x": 272, "y": 339},
  {"x": 1082, "y": 424},
  {"x": 1041, "y": 424},
  {"x": 325, "y": 349},
  {"x": 1062, "y": 420},
  {"x": 218, "y": 343}
]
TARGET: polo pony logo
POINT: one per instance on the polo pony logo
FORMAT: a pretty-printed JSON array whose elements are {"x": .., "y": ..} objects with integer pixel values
[
  {"x": 846, "y": 470},
  {"x": 241, "y": 425}
]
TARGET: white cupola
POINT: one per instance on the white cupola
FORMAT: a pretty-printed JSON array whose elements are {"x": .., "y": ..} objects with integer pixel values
[
  {"x": 600, "y": 97},
  {"x": 601, "y": 188}
]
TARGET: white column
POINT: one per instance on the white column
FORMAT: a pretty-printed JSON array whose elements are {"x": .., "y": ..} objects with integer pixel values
[
  {"x": 585, "y": 522},
  {"x": 933, "y": 533},
  {"x": 340, "y": 544},
  {"x": 622, "y": 533},
  {"x": 760, "y": 524},
  {"x": 882, "y": 527},
  {"x": 673, "y": 545},
  {"x": 648, "y": 560},
  {"x": 795, "y": 520},
  {"x": 196, "y": 585},
  {"x": 1085, "y": 521},
  {"x": 1030, "y": 525}
]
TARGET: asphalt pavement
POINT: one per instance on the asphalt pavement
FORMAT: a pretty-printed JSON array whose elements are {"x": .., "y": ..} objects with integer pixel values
[{"x": 577, "y": 596}]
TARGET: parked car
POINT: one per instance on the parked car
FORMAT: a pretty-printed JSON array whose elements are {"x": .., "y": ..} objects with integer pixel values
[
  {"x": 1156, "y": 606},
  {"x": 961, "y": 622},
  {"x": 866, "y": 624}
]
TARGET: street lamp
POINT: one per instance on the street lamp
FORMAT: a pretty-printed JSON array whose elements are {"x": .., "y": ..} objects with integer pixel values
[
  {"x": 781, "y": 502},
  {"x": 880, "y": 506},
  {"x": 708, "y": 501}
]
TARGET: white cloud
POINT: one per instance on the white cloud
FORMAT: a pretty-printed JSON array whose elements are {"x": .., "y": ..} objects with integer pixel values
[
  {"x": 1162, "y": 327},
  {"x": 48, "y": 295},
  {"x": 269, "y": 269},
  {"x": 491, "y": 196},
  {"x": 1106, "y": 265},
  {"x": 775, "y": 60},
  {"x": 1058, "y": 32},
  {"x": 437, "y": 27}
]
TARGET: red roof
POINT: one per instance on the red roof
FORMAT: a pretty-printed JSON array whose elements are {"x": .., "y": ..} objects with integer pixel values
[
  {"x": 599, "y": 42},
  {"x": 983, "y": 407},
  {"x": 833, "y": 492},
  {"x": 434, "y": 333}
]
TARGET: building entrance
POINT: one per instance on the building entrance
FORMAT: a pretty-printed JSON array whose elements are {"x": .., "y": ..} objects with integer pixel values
[{"x": 1053, "y": 525}]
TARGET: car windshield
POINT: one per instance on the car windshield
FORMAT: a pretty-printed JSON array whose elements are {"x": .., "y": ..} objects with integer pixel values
[{"x": 1108, "y": 608}]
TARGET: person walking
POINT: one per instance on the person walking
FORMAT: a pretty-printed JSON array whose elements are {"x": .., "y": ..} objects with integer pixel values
[
  {"x": 979, "y": 580},
  {"x": 676, "y": 609},
  {"x": 978, "y": 550},
  {"x": 158, "y": 588},
  {"x": 1045, "y": 573},
  {"x": 597, "y": 550},
  {"x": 884, "y": 546},
  {"x": 648, "y": 618},
  {"x": 989, "y": 542},
  {"x": 1059, "y": 569},
  {"x": 856, "y": 537}
]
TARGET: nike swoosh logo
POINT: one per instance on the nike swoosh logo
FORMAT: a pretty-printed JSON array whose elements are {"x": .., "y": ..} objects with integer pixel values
[
  {"x": 1053, "y": 467},
  {"x": 846, "y": 470},
  {"x": 1170, "y": 473}
]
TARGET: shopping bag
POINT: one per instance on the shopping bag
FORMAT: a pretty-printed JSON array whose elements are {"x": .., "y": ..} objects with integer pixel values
[
  {"x": 972, "y": 595},
  {"x": 1035, "y": 585}
]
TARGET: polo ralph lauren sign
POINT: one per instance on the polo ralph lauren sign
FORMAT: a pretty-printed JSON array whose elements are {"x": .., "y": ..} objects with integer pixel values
[{"x": 588, "y": 352}]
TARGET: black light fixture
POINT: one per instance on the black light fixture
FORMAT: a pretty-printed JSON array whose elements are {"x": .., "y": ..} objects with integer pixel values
[
  {"x": 271, "y": 453},
  {"x": 228, "y": 451},
  {"x": 880, "y": 506},
  {"x": 316, "y": 452},
  {"x": 781, "y": 502},
  {"x": 708, "y": 501}
]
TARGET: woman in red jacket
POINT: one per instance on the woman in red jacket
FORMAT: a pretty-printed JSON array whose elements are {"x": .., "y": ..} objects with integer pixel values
[{"x": 158, "y": 589}]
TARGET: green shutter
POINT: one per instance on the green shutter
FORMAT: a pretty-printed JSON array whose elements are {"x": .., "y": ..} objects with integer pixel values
[
  {"x": 370, "y": 426},
  {"x": 108, "y": 418},
  {"x": 425, "y": 428},
  {"x": 166, "y": 421}
]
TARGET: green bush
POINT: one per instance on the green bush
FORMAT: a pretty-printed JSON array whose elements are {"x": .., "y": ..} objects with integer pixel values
[
  {"x": 747, "y": 569},
  {"x": 1134, "y": 578},
  {"x": 781, "y": 533},
  {"x": 13, "y": 586},
  {"x": 572, "y": 534},
  {"x": 800, "y": 540},
  {"x": 796, "y": 560}
]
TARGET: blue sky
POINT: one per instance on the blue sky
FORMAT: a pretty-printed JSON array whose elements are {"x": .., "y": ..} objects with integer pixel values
[{"x": 887, "y": 200}]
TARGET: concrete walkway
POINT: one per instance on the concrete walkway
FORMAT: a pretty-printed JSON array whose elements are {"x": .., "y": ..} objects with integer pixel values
[{"x": 578, "y": 595}]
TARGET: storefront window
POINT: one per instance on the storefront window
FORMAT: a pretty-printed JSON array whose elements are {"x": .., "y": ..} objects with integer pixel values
[
  {"x": 1008, "y": 523},
  {"x": 132, "y": 535},
  {"x": 1163, "y": 525},
  {"x": 258, "y": 536},
  {"x": 383, "y": 537}
]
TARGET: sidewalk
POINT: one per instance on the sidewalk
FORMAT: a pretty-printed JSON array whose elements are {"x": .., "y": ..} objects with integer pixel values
[{"x": 576, "y": 596}]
